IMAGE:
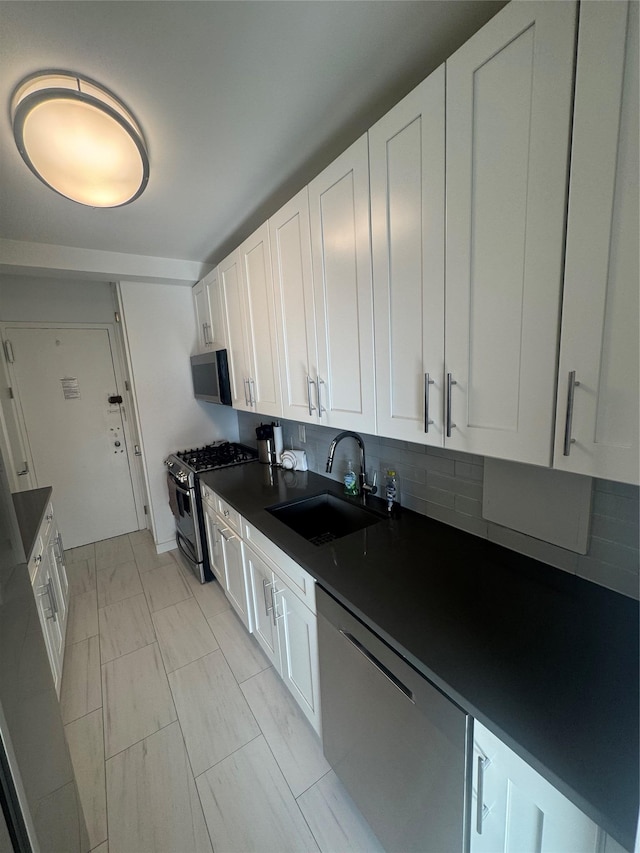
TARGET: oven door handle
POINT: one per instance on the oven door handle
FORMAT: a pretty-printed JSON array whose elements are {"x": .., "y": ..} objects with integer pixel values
[{"x": 192, "y": 558}]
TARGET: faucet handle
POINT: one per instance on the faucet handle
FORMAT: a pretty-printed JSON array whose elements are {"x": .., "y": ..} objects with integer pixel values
[{"x": 370, "y": 488}]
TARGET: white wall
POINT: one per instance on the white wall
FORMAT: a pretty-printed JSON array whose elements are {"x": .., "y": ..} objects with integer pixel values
[
  {"x": 160, "y": 329},
  {"x": 44, "y": 300}
]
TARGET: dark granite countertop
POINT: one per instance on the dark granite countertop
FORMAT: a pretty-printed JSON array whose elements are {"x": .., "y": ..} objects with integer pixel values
[
  {"x": 546, "y": 660},
  {"x": 30, "y": 507}
]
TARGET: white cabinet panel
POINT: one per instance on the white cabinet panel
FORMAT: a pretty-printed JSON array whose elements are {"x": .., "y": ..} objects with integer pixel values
[
  {"x": 289, "y": 231},
  {"x": 229, "y": 274},
  {"x": 261, "y": 579},
  {"x": 298, "y": 634},
  {"x": 520, "y": 812},
  {"x": 340, "y": 241},
  {"x": 599, "y": 339},
  {"x": 208, "y": 308},
  {"x": 236, "y": 585},
  {"x": 259, "y": 324},
  {"x": 406, "y": 152},
  {"x": 509, "y": 93},
  {"x": 214, "y": 542}
]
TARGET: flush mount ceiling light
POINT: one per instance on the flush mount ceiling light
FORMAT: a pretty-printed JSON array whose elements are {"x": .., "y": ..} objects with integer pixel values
[{"x": 79, "y": 139}]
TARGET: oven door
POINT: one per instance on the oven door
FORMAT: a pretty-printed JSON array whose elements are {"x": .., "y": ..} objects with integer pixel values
[{"x": 183, "y": 507}]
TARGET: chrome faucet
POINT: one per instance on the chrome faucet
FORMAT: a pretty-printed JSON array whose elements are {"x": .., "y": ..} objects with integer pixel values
[{"x": 365, "y": 487}]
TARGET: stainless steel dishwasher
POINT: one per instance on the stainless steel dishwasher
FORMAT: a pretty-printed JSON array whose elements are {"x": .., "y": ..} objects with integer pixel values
[{"x": 398, "y": 745}]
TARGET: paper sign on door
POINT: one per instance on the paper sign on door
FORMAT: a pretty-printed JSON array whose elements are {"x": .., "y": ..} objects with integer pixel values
[{"x": 70, "y": 388}]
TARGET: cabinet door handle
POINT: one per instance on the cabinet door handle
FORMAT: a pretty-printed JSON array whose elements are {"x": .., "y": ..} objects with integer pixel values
[
  {"x": 427, "y": 420},
  {"x": 265, "y": 584},
  {"x": 321, "y": 408},
  {"x": 204, "y": 334},
  {"x": 379, "y": 666},
  {"x": 274, "y": 612},
  {"x": 571, "y": 386},
  {"x": 310, "y": 382},
  {"x": 450, "y": 381},
  {"x": 44, "y": 589},
  {"x": 481, "y": 810},
  {"x": 246, "y": 396},
  {"x": 252, "y": 391},
  {"x": 224, "y": 536}
]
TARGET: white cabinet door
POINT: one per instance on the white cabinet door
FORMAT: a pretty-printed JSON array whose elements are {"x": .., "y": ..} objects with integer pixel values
[
  {"x": 298, "y": 635},
  {"x": 230, "y": 282},
  {"x": 343, "y": 291},
  {"x": 520, "y": 812},
  {"x": 236, "y": 586},
  {"x": 261, "y": 579},
  {"x": 259, "y": 324},
  {"x": 599, "y": 338},
  {"x": 209, "y": 318},
  {"x": 47, "y": 606},
  {"x": 406, "y": 154},
  {"x": 509, "y": 98},
  {"x": 289, "y": 231},
  {"x": 202, "y": 316},
  {"x": 214, "y": 542}
]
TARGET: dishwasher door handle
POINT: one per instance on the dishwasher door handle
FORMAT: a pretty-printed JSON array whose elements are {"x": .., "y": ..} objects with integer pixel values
[{"x": 379, "y": 666}]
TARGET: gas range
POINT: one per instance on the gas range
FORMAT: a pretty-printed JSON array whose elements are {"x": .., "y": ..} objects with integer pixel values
[
  {"x": 185, "y": 464},
  {"x": 185, "y": 501}
]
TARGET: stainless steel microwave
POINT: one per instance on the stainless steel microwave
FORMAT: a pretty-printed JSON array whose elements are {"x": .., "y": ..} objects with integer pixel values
[{"x": 210, "y": 374}]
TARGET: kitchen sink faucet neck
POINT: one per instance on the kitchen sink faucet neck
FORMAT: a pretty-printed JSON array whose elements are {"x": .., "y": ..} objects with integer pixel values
[{"x": 365, "y": 487}]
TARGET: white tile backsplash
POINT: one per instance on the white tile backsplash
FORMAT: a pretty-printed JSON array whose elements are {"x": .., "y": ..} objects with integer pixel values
[{"x": 447, "y": 486}]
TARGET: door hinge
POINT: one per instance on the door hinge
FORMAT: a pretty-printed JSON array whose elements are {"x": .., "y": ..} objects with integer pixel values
[
  {"x": 117, "y": 316},
  {"x": 25, "y": 470},
  {"x": 136, "y": 450},
  {"x": 127, "y": 387},
  {"x": 146, "y": 510},
  {"x": 8, "y": 352},
  {"x": 10, "y": 392}
]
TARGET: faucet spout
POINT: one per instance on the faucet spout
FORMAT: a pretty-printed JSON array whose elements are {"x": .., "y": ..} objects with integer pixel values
[{"x": 364, "y": 486}]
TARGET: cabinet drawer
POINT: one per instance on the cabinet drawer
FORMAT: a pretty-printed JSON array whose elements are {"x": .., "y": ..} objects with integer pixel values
[
  {"x": 299, "y": 580},
  {"x": 228, "y": 514},
  {"x": 208, "y": 496}
]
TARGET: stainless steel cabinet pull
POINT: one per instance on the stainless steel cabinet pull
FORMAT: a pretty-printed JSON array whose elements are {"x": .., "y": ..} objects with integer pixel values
[
  {"x": 265, "y": 584},
  {"x": 310, "y": 382},
  {"x": 275, "y": 592},
  {"x": 427, "y": 420},
  {"x": 52, "y": 596},
  {"x": 568, "y": 441},
  {"x": 246, "y": 395},
  {"x": 204, "y": 334},
  {"x": 45, "y": 590},
  {"x": 450, "y": 381},
  {"x": 252, "y": 391},
  {"x": 222, "y": 533},
  {"x": 321, "y": 408},
  {"x": 481, "y": 810},
  {"x": 379, "y": 666}
]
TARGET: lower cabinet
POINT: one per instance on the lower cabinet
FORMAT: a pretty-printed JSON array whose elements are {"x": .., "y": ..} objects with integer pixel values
[
  {"x": 51, "y": 591},
  {"x": 273, "y": 596},
  {"x": 287, "y": 631},
  {"x": 515, "y": 809}
]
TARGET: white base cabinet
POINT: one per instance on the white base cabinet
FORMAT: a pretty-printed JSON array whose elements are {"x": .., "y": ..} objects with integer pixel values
[
  {"x": 515, "y": 810},
  {"x": 273, "y": 596},
  {"x": 51, "y": 590}
]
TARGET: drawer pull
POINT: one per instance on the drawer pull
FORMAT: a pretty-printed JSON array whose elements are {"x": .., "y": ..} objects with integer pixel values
[{"x": 379, "y": 666}]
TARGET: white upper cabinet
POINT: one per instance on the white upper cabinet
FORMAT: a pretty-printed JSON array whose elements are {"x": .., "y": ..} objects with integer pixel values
[
  {"x": 597, "y": 414},
  {"x": 341, "y": 253},
  {"x": 260, "y": 323},
  {"x": 247, "y": 292},
  {"x": 509, "y": 98},
  {"x": 209, "y": 317},
  {"x": 406, "y": 154},
  {"x": 230, "y": 278},
  {"x": 293, "y": 284}
]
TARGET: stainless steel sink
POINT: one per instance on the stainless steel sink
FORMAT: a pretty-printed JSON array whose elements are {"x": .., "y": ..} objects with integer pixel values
[{"x": 324, "y": 517}]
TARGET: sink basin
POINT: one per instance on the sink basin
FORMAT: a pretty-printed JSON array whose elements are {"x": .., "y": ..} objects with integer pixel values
[{"x": 325, "y": 517}]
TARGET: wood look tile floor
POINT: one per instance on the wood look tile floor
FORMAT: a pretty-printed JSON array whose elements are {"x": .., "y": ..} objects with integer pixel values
[{"x": 182, "y": 736}]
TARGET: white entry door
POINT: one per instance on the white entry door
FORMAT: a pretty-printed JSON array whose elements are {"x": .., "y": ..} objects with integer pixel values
[{"x": 62, "y": 380}]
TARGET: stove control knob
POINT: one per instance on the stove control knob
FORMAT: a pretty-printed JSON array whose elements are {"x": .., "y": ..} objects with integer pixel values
[{"x": 168, "y": 463}]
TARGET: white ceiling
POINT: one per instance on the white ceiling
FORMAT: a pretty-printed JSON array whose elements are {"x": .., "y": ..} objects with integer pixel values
[{"x": 241, "y": 103}]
